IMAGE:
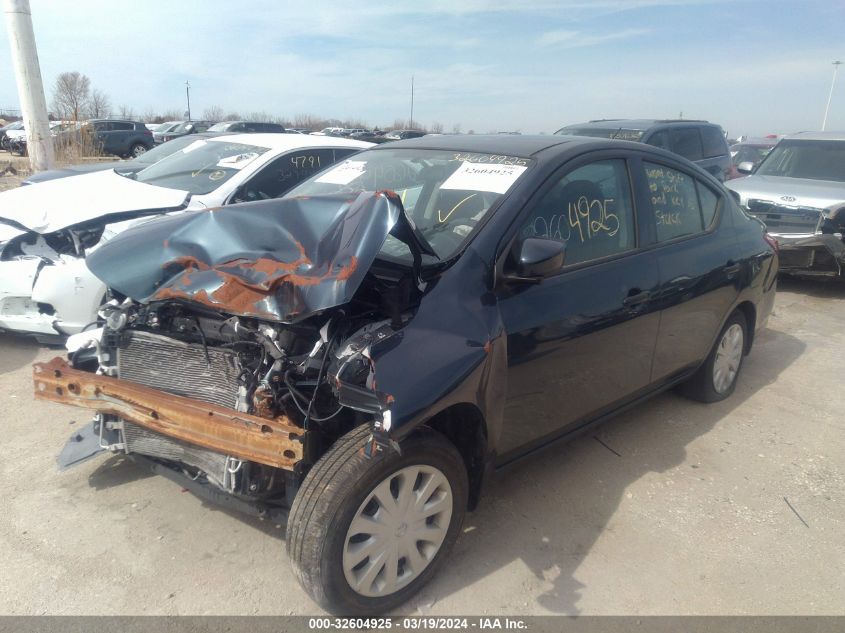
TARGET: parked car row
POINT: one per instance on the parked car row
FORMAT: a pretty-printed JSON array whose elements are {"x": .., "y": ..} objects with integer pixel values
[{"x": 351, "y": 338}]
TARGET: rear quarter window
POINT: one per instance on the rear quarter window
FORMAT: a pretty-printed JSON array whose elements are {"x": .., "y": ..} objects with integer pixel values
[
  {"x": 713, "y": 142},
  {"x": 674, "y": 200},
  {"x": 687, "y": 143}
]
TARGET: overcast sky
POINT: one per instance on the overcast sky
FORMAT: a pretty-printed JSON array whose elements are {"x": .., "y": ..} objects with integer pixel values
[{"x": 753, "y": 66}]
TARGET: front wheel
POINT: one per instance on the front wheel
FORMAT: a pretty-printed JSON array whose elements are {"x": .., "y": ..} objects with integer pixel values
[
  {"x": 716, "y": 379},
  {"x": 364, "y": 534}
]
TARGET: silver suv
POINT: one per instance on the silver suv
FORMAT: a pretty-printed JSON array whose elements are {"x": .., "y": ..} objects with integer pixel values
[{"x": 799, "y": 192}]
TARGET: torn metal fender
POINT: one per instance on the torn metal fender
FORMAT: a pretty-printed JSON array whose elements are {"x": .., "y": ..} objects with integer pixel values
[
  {"x": 272, "y": 442},
  {"x": 459, "y": 351},
  {"x": 281, "y": 260}
]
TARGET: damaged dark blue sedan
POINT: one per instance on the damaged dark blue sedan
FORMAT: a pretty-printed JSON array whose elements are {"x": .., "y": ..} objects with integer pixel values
[{"x": 357, "y": 357}]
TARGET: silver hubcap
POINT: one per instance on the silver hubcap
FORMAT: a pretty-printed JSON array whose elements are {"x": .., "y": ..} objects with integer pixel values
[
  {"x": 728, "y": 357},
  {"x": 140, "y": 149},
  {"x": 397, "y": 531}
]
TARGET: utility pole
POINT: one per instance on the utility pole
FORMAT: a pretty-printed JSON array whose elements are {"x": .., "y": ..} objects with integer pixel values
[
  {"x": 39, "y": 143},
  {"x": 188, "y": 94},
  {"x": 411, "y": 122},
  {"x": 836, "y": 66}
]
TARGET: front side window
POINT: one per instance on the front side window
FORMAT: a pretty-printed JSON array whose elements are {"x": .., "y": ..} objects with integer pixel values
[
  {"x": 445, "y": 193},
  {"x": 674, "y": 200},
  {"x": 686, "y": 142},
  {"x": 590, "y": 210},
  {"x": 201, "y": 167}
]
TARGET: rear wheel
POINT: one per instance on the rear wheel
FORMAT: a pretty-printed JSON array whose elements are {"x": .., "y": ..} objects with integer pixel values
[
  {"x": 137, "y": 149},
  {"x": 716, "y": 379},
  {"x": 365, "y": 534}
]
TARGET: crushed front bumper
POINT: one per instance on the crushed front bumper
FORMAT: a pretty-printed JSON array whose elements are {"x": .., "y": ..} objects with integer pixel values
[
  {"x": 273, "y": 442},
  {"x": 811, "y": 254}
]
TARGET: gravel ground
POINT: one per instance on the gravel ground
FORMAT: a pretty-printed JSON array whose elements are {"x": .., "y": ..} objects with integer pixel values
[{"x": 732, "y": 508}]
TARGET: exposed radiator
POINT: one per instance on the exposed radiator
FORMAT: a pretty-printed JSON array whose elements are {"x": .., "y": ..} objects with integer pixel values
[
  {"x": 179, "y": 368},
  {"x": 137, "y": 439}
]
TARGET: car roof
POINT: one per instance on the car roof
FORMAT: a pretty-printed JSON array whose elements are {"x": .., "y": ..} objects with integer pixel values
[
  {"x": 816, "y": 136},
  {"x": 636, "y": 124},
  {"x": 280, "y": 140},
  {"x": 522, "y": 145}
]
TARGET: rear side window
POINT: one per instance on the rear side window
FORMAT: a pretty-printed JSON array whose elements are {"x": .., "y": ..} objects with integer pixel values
[
  {"x": 675, "y": 202},
  {"x": 590, "y": 210},
  {"x": 713, "y": 142},
  {"x": 686, "y": 142},
  {"x": 284, "y": 173},
  {"x": 122, "y": 127},
  {"x": 660, "y": 139}
]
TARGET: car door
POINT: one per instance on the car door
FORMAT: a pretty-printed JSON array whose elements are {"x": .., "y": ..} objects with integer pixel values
[
  {"x": 119, "y": 137},
  {"x": 698, "y": 278},
  {"x": 103, "y": 136},
  {"x": 581, "y": 342}
]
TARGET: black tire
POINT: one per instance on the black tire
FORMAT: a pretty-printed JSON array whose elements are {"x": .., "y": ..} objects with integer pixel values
[
  {"x": 332, "y": 495},
  {"x": 136, "y": 150},
  {"x": 701, "y": 386}
]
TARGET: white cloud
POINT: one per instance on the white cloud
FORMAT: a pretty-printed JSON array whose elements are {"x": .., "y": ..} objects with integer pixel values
[{"x": 576, "y": 39}]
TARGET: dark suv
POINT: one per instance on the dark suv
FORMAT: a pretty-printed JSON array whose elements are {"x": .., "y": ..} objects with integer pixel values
[
  {"x": 699, "y": 141},
  {"x": 128, "y": 139}
]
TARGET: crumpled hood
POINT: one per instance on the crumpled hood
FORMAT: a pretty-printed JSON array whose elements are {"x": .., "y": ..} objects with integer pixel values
[
  {"x": 280, "y": 260},
  {"x": 818, "y": 194},
  {"x": 58, "y": 204}
]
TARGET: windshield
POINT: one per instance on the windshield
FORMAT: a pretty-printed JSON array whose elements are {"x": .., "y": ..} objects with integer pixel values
[
  {"x": 815, "y": 160},
  {"x": 445, "y": 193},
  {"x": 201, "y": 166},
  {"x": 220, "y": 127},
  {"x": 748, "y": 153},
  {"x": 623, "y": 134},
  {"x": 164, "y": 150}
]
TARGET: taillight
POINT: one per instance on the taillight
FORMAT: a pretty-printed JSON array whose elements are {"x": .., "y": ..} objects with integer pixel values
[{"x": 772, "y": 242}]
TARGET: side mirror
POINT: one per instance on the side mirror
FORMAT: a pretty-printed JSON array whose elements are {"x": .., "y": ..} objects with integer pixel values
[
  {"x": 745, "y": 167},
  {"x": 538, "y": 258}
]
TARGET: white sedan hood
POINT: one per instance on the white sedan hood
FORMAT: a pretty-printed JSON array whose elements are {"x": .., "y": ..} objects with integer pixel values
[{"x": 57, "y": 204}]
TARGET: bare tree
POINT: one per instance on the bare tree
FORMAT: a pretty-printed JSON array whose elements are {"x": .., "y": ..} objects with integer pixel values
[
  {"x": 71, "y": 94},
  {"x": 214, "y": 113},
  {"x": 125, "y": 112},
  {"x": 232, "y": 116},
  {"x": 436, "y": 128},
  {"x": 171, "y": 115},
  {"x": 456, "y": 129},
  {"x": 308, "y": 121},
  {"x": 149, "y": 116},
  {"x": 98, "y": 105}
]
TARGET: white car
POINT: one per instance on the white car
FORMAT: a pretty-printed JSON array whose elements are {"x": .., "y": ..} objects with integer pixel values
[{"x": 46, "y": 231}]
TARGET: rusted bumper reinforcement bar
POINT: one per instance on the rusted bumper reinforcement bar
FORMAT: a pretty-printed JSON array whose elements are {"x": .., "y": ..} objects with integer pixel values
[{"x": 274, "y": 442}]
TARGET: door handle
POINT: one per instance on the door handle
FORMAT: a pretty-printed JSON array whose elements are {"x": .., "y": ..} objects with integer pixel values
[
  {"x": 635, "y": 298},
  {"x": 732, "y": 268}
]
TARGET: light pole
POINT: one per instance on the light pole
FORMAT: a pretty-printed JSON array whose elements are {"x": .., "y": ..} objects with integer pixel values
[
  {"x": 836, "y": 66},
  {"x": 30, "y": 88},
  {"x": 411, "y": 122},
  {"x": 188, "y": 94}
]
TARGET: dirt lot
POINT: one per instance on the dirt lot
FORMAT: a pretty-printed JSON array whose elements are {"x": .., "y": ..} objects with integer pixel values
[{"x": 689, "y": 513}]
